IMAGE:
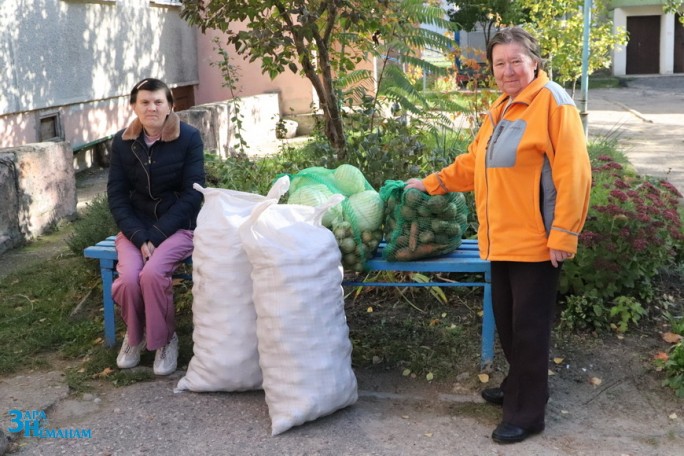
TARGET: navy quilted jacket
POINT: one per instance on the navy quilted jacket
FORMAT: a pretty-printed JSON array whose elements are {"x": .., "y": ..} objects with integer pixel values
[{"x": 150, "y": 190}]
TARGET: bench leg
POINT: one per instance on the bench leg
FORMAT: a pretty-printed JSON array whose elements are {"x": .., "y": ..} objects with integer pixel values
[
  {"x": 109, "y": 316},
  {"x": 488, "y": 328}
]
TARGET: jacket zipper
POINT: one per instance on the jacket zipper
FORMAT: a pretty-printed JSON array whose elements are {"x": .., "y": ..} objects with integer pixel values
[
  {"x": 496, "y": 132},
  {"x": 147, "y": 173}
]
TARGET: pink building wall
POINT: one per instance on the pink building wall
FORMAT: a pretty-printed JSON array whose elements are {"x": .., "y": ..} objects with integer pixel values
[{"x": 296, "y": 92}]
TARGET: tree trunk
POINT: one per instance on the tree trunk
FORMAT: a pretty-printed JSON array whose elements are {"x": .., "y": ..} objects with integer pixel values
[
  {"x": 334, "y": 129},
  {"x": 332, "y": 118}
]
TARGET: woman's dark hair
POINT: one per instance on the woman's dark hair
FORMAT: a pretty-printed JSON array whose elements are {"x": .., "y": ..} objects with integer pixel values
[
  {"x": 151, "y": 85},
  {"x": 516, "y": 35}
]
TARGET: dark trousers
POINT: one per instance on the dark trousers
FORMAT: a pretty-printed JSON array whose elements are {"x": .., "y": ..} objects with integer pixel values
[{"x": 524, "y": 299}]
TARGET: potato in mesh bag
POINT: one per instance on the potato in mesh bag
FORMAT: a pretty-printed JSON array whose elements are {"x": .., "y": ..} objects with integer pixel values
[{"x": 418, "y": 225}]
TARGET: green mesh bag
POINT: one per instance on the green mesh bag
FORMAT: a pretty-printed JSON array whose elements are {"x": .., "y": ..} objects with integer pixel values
[
  {"x": 356, "y": 222},
  {"x": 418, "y": 225}
]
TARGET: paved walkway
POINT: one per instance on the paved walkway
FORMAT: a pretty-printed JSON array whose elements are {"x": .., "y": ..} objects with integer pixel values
[{"x": 647, "y": 119}]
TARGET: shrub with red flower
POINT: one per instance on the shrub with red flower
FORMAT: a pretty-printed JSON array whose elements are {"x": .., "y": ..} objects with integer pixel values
[{"x": 633, "y": 231}]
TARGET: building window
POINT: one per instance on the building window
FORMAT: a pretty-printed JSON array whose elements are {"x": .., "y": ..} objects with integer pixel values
[
  {"x": 49, "y": 127},
  {"x": 183, "y": 98}
]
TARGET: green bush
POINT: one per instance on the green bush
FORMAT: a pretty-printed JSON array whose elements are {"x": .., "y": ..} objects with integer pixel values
[
  {"x": 583, "y": 313},
  {"x": 95, "y": 224}
]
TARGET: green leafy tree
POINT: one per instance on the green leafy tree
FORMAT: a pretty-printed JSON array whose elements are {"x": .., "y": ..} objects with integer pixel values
[
  {"x": 324, "y": 40},
  {"x": 488, "y": 14},
  {"x": 559, "y": 26},
  {"x": 675, "y": 7},
  {"x": 403, "y": 50}
]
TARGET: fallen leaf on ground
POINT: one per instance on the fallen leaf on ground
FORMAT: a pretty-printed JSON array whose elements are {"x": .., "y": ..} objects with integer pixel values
[
  {"x": 370, "y": 309},
  {"x": 595, "y": 381},
  {"x": 551, "y": 372},
  {"x": 558, "y": 360},
  {"x": 105, "y": 372},
  {"x": 428, "y": 434},
  {"x": 484, "y": 378},
  {"x": 673, "y": 416},
  {"x": 661, "y": 355},
  {"x": 671, "y": 338}
]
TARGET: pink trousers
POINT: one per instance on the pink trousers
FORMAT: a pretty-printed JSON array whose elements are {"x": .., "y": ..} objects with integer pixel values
[{"x": 144, "y": 291}]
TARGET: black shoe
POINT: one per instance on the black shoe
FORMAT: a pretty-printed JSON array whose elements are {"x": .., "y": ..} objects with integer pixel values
[
  {"x": 508, "y": 433},
  {"x": 493, "y": 395}
]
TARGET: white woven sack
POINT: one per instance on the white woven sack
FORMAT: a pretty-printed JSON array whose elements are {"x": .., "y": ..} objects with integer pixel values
[
  {"x": 304, "y": 346},
  {"x": 225, "y": 356}
]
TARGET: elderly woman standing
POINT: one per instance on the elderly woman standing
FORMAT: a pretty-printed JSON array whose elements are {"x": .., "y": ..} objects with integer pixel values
[
  {"x": 529, "y": 169},
  {"x": 154, "y": 163}
]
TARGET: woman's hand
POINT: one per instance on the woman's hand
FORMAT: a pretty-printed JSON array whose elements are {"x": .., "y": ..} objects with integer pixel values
[
  {"x": 147, "y": 249},
  {"x": 415, "y": 183},
  {"x": 558, "y": 256}
]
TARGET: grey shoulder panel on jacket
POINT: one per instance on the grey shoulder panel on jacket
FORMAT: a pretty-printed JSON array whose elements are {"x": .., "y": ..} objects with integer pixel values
[{"x": 559, "y": 94}]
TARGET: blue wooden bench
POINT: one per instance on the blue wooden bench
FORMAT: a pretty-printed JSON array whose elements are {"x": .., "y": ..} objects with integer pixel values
[{"x": 464, "y": 260}]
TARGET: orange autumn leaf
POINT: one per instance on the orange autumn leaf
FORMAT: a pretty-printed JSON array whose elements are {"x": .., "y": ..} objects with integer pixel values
[
  {"x": 107, "y": 371},
  {"x": 661, "y": 355},
  {"x": 671, "y": 338}
]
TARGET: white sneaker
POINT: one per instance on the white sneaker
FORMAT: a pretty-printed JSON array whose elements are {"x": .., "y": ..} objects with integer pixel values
[
  {"x": 129, "y": 355},
  {"x": 166, "y": 358}
]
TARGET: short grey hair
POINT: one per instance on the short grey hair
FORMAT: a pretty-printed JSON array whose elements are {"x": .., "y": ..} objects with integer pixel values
[{"x": 516, "y": 35}]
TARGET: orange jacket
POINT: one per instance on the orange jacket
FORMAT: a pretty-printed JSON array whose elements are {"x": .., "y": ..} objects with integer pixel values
[{"x": 530, "y": 171}]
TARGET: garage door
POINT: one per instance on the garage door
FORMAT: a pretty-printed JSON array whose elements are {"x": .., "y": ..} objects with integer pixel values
[{"x": 643, "y": 48}]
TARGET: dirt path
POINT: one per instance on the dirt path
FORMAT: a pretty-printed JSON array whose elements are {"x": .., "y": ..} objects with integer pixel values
[{"x": 626, "y": 413}]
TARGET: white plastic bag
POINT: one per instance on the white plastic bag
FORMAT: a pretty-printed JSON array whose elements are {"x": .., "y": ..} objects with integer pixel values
[
  {"x": 225, "y": 356},
  {"x": 304, "y": 346}
]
